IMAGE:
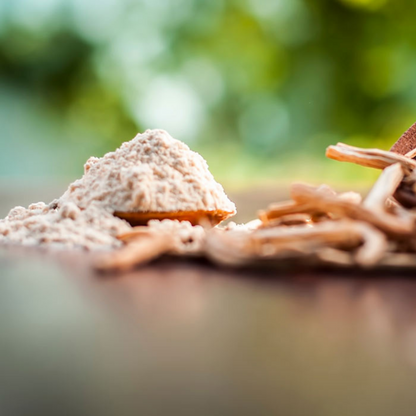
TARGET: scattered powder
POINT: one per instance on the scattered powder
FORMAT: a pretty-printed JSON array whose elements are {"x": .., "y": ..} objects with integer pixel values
[
  {"x": 62, "y": 226},
  {"x": 151, "y": 173}
]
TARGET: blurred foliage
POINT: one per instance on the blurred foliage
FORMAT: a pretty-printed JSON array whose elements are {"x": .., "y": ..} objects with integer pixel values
[{"x": 252, "y": 84}]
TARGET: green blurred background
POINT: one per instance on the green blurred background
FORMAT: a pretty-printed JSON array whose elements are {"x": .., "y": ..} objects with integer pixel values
[{"x": 259, "y": 87}]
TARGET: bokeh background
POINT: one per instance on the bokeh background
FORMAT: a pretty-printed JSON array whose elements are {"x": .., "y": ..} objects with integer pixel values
[{"x": 259, "y": 87}]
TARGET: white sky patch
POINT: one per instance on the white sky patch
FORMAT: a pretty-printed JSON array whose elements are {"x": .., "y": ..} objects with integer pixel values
[{"x": 170, "y": 104}]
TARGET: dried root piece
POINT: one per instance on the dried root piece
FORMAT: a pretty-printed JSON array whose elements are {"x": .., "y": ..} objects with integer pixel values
[
  {"x": 333, "y": 233},
  {"x": 411, "y": 154},
  {"x": 334, "y": 257},
  {"x": 289, "y": 220},
  {"x": 144, "y": 244},
  {"x": 406, "y": 192},
  {"x": 405, "y": 196},
  {"x": 283, "y": 209},
  {"x": 229, "y": 248},
  {"x": 364, "y": 244},
  {"x": 345, "y": 234},
  {"x": 353, "y": 197},
  {"x": 135, "y": 233},
  {"x": 373, "y": 158},
  {"x": 384, "y": 188},
  {"x": 375, "y": 245},
  {"x": 222, "y": 250},
  {"x": 393, "y": 207},
  {"x": 391, "y": 225},
  {"x": 138, "y": 251},
  {"x": 236, "y": 249}
]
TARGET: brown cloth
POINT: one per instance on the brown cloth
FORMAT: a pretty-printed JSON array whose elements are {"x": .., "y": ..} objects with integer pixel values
[{"x": 406, "y": 142}]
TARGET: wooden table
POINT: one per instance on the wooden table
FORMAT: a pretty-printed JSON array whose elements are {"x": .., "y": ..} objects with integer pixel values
[{"x": 187, "y": 338}]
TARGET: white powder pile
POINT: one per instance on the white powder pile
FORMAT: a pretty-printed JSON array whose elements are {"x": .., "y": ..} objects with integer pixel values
[{"x": 151, "y": 173}]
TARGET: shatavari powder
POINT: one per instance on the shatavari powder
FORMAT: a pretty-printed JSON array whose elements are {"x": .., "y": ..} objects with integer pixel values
[{"x": 151, "y": 173}]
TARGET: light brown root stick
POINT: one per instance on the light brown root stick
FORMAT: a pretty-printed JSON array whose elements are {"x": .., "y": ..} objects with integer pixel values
[
  {"x": 135, "y": 233},
  {"x": 372, "y": 244},
  {"x": 135, "y": 252},
  {"x": 289, "y": 220},
  {"x": 228, "y": 248},
  {"x": 352, "y": 197},
  {"x": 373, "y": 158},
  {"x": 411, "y": 154},
  {"x": 282, "y": 209},
  {"x": 334, "y": 257},
  {"x": 326, "y": 243},
  {"x": 374, "y": 247},
  {"x": 237, "y": 249},
  {"x": 384, "y": 188},
  {"x": 388, "y": 223},
  {"x": 336, "y": 233}
]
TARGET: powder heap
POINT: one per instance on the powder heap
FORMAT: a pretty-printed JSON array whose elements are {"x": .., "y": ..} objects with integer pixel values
[{"x": 151, "y": 173}]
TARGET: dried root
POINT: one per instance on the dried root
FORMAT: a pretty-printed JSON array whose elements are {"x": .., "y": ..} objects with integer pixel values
[
  {"x": 137, "y": 251},
  {"x": 372, "y": 158}
]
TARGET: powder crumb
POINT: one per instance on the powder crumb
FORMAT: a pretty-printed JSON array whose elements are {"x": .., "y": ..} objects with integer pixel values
[
  {"x": 187, "y": 238},
  {"x": 249, "y": 226},
  {"x": 151, "y": 173}
]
